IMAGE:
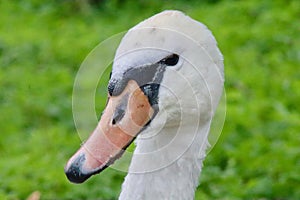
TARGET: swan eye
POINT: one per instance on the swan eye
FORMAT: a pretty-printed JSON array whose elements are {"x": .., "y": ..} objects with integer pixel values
[{"x": 171, "y": 60}]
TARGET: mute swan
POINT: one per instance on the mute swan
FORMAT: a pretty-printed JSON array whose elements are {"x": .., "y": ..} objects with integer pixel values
[{"x": 166, "y": 82}]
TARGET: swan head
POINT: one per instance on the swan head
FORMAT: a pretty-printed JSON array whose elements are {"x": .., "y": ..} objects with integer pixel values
[{"x": 167, "y": 71}]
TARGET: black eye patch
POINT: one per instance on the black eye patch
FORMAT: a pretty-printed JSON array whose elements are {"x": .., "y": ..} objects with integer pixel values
[
  {"x": 143, "y": 75},
  {"x": 171, "y": 60}
]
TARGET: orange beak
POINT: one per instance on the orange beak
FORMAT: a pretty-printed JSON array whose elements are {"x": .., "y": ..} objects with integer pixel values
[{"x": 123, "y": 119}]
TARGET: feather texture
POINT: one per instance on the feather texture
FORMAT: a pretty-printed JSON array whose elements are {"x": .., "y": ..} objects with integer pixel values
[{"x": 168, "y": 158}]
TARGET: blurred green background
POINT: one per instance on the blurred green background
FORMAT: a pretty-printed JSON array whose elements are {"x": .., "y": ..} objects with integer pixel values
[{"x": 42, "y": 44}]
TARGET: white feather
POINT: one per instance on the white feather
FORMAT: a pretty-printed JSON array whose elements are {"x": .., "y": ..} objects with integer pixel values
[{"x": 168, "y": 158}]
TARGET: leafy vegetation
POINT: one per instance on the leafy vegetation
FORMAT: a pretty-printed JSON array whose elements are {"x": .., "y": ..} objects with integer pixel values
[{"x": 42, "y": 45}]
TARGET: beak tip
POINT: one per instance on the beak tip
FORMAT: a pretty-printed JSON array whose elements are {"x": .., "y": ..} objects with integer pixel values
[
  {"x": 75, "y": 175},
  {"x": 74, "y": 172}
]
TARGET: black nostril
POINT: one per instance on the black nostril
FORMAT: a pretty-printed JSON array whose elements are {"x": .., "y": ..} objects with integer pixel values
[
  {"x": 118, "y": 115},
  {"x": 120, "y": 110}
]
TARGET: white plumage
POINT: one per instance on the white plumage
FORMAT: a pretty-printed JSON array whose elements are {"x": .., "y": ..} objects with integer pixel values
[
  {"x": 169, "y": 153},
  {"x": 166, "y": 83}
]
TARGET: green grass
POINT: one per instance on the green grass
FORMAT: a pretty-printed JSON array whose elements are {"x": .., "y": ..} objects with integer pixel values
[{"x": 42, "y": 45}]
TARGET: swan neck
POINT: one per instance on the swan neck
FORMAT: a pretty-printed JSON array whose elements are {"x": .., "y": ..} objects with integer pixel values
[{"x": 179, "y": 166}]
